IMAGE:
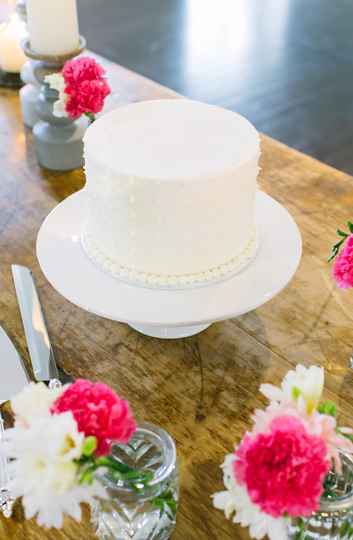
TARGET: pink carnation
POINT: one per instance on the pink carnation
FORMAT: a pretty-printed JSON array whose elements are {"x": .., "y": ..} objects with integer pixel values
[
  {"x": 82, "y": 69},
  {"x": 98, "y": 411},
  {"x": 321, "y": 425},
  {"x": 283, "y": 469},
  {"x": 85, "y": 86},
  {"x": 343, "y": 266},
  {"x": 88, "y": 97}
]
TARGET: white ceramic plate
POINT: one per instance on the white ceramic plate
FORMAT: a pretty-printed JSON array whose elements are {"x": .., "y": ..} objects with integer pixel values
[{"x": 167, "y": 313}]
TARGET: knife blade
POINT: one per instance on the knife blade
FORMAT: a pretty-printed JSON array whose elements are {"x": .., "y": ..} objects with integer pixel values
[
  {"x": 13, "y": 375},
  {"x": 38, "y": 342}
]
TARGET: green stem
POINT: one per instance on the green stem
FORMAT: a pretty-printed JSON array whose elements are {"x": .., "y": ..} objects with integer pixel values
[
  {"x": 343, "y": 235},
  {"x": 91, "y": 117},
  {"x": 134, "y": 478}
]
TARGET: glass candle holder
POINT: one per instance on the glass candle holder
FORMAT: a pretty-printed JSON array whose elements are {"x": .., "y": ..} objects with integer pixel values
[
  {"x": 334, "y": 519},
  {"x": 148, "y": 513}
]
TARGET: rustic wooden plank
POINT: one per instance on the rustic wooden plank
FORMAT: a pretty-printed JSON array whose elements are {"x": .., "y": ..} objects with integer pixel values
[{"x": 201, "y": 389}]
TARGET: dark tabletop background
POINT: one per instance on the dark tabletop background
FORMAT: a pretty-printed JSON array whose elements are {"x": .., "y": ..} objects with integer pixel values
[{"x": 285, "y": 64}]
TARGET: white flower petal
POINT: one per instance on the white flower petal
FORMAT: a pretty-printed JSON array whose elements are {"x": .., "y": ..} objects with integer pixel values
[
  {"x": 59, "y": 107},
  {"x": 346, "y": 430},
  {"x": 43, "y": 469},
  {"x": 271, "y": 392},
  {"x": 55, "y": 81},
  {"x": 235, "y": 502},
  {"x": 303, "y": 387},
  {"x": 308, "y": 383},
  {"x": 74, "y": 510},
  {"x": 33, "y": 401}
]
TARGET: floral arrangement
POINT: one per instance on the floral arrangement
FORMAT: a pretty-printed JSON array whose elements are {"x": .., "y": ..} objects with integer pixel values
[
  {"x": 343, "y": 265},
  {"x": 82, "y": 88},
  {"x": 60, "y": 439},
  {"x": 278, "y": 471}
]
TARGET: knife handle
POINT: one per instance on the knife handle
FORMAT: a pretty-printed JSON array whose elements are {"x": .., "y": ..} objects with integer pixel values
[
  {"x": 54, "y": 384},
  {"x": 6, "y": 501},
  {"x": 4, "y": 476}
]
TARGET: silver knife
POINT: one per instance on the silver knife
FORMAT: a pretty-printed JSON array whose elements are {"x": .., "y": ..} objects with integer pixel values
[{"x": 38, "y": 342}]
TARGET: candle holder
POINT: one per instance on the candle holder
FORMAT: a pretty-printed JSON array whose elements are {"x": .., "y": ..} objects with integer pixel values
[
  {"x": 29, "y": 92},
  {"x": 58, "y": 141}
]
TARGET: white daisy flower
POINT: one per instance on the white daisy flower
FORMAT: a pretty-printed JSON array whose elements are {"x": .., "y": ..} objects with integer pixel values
[
  {"x": 43, "y": 469},
  {"x": 235, "y": 502},
  {"x": 303, "y": 387},
  {"x": 34, "y": 401}
]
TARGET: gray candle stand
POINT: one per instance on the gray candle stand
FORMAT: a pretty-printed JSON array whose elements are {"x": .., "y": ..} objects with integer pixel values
[{"x": 58, "y": 141}]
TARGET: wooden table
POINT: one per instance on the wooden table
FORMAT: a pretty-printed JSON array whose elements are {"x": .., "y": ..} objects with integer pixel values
[{"x": 201, "y": 389}]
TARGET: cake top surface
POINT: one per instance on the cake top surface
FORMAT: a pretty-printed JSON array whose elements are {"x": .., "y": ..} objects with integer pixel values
[{"x": 171, "y": 139}]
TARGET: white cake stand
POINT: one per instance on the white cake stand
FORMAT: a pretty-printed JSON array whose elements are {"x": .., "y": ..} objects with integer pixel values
[{"x": 167, "y": 313}]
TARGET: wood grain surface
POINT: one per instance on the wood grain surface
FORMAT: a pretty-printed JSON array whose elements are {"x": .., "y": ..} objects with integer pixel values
[{"x": 202, "y": 389}]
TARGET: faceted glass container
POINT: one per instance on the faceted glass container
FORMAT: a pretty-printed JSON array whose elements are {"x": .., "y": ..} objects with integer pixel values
[
  {"x": 149, "y": 513},
  {"x": 334, "y": 519}
]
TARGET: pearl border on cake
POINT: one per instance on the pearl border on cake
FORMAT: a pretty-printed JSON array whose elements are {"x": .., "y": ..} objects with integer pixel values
[{"x": 159, "y": 281}]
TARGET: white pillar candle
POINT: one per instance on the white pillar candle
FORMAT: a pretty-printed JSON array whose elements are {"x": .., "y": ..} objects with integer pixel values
[
  {"x": 12, "y": 57},
  {"x": 52, "y": 26}
]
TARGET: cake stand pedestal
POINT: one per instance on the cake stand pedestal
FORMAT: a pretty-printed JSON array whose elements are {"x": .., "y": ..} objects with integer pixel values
[
  {"x": 169, "y": 332},
  {"x": 168, "y": 313}
]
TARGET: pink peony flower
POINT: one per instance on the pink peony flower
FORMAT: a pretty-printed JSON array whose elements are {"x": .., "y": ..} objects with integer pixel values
[
  {"x": 98, "y": 411},
  {"x": 343, "y": 266},
  {"x": 283, "y": 469}
]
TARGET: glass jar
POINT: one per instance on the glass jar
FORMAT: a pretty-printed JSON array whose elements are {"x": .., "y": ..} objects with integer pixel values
[
  {"x": 149, "y": 513},
  {"x": 334, "y": 519}
]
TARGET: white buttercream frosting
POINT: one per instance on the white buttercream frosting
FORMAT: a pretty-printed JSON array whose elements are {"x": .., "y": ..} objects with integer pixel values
[{"x": 170, "y": 192}]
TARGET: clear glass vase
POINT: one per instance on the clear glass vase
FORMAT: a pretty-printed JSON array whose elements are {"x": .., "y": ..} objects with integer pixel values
[
  {"x": 334, "y": 519},
  {"x": 149, "y": 513}
]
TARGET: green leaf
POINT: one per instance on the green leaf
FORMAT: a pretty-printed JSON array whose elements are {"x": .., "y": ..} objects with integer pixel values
[
  {"x": 300, "y": 535},
  {"x": 166, "y": 503},
  {"x": 87, "y": 475},
  {"x": 342, "y": 233},
  {"x": 347, "y": 435},
  {"x": 344, "y": 528},
  {"x": 136, "y": 479},
  {"x": 328, "y": 407},
  {"x": 89, "y": 446},
  {"x": 111, "y": 463},
  {"x": 350, "y": 226}
]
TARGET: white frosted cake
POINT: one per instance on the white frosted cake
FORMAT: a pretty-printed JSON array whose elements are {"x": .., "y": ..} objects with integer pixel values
[{"x": 170, "y": 190}]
